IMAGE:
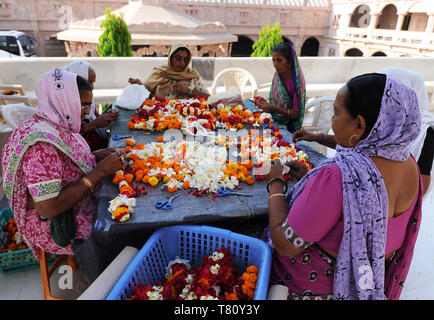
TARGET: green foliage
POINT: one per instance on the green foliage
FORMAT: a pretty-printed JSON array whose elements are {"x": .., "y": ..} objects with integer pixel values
[
  {"x": 269, "y": 37},
  {"x": 115, "y": 40}
]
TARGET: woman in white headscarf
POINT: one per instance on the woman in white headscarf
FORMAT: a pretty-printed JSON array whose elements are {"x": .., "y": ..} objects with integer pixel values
[
  {"x": 422, "y": 147},
  {"x": 175, "y": 80},
  {"x": 93, "y": 126}
]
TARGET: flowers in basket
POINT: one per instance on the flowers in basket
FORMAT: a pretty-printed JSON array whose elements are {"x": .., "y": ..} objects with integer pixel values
[
  {"x": 216, "y": 279},
  {"x": 13, "y": 238}
]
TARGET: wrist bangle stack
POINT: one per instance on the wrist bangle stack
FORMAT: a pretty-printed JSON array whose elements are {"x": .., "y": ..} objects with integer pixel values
[
  {"x": 88, "y": 183},
  {"x": 285, "y": 185},
  {"x": 275, "y": 195}
]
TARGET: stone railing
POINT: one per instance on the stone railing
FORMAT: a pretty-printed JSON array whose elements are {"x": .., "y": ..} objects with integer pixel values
[
  {"x": 408, "y": 39},
  {"x": 282, "y": 3},
  {"x": 324, "y": 75}
]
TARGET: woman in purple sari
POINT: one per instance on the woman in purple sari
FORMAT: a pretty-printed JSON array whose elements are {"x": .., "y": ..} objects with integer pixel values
[{"x": 353, "y": 220}]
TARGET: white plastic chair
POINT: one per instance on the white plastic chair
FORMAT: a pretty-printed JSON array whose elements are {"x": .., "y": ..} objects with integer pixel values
[
  {"x": 15, "y": 114},
  {"x": 238, "y": 77},
  {"x": 13, "y": 87},
  {"x": 22, "y": 97},
  {"x": 322, "y": 109}
]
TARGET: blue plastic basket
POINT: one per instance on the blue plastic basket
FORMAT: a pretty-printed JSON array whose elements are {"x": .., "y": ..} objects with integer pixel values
[{"x": 192, "y": 243}]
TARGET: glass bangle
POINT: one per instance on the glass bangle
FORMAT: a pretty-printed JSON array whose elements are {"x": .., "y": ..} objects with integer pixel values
[{"x": 281, "y": 181}]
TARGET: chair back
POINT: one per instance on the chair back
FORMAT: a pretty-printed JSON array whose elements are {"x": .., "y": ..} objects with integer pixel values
[
  {"x": 237, "y": 77},
  {"x": 322, "y": 109},
  {"x": 322, "y": 114},
  {"x": 15, "y": 114}
]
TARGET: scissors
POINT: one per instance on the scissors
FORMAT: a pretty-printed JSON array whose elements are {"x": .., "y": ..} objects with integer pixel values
[
  {"x": 225, "y": 192},
  {"x": 167, "y": 204},
  {"x": 117, "y": 137}
]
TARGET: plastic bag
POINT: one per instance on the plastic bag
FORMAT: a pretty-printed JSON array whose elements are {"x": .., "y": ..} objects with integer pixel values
[{"x": 132, "y": 97}]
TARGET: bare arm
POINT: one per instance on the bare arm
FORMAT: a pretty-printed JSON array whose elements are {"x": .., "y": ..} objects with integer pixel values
[
  {"x": 100, "y": 122},
  {"x": 288, "y": 113},
  {"x": 73, "y": 193},
  {"x": 278, "y": 208},
  {"x": 327, "y": 140}
]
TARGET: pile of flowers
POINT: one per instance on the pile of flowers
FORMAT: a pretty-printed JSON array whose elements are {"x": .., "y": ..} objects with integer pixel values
[
  {"x": 216, "y": 279},
  {"x": 160, "y": 114},
  {"x": 200, "y": 168},
  {"x": 13, "y": 238}
]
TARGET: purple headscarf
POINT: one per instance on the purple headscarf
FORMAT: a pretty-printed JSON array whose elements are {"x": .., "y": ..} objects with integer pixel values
[{"x": 360, "y": 268}]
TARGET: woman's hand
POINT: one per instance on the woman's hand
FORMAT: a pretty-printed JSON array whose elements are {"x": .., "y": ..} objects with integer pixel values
[
  {"x": 180, "y": 88},
  {"x": 135, "y": 81},
  {"x": 111, "y": 163},
  {"x": 298, "y": 169},
  {"x": 106, "y": 118},
  {"x": 264, "y": 105},
  {"x": 102, "y": 153},
  {"x": 305, "y": 135},
  {"x": 272, "y": 169}
]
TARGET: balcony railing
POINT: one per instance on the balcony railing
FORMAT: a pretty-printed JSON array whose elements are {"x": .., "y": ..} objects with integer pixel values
[
  {"x": 411, "y": 39},
  {"x": 277, "y": 3}
]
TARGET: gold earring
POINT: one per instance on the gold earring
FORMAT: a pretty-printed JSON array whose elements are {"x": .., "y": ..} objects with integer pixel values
[{"x": 349, "y": 140}]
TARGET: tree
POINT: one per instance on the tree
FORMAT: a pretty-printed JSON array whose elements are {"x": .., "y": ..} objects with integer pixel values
[
  {"x": 115, "y": 40},
  {"x": 269, "y": 37}
]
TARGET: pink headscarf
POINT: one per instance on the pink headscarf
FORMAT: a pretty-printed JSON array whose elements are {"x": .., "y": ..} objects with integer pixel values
[{"x": 59, "y": 99}]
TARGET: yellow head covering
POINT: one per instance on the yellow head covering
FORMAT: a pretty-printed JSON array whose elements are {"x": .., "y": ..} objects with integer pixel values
[{"x": 162, "y": 78}]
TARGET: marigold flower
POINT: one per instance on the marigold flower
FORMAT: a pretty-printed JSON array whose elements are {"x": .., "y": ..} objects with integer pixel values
[
  {"x": 230, "y": 296},
  {"x": 172, "y": 189},
  {"x": 153, "y": 181},
  {"x": 146, "y": 179},
  {"x": 121, "y": 213},
  {"x": 127, "y": 190},
  {"x": 186, "y": 184},
  {"x": 129, "y": 177},
  {"x": 118, "y": 178},
  {"x": 252, "y": 269},
  {"x": 250, "y": 180},
  {"x": 130, "y": 142}
]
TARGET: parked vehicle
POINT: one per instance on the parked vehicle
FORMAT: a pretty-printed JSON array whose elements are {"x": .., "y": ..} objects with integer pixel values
[{"x": 15, "y": 44}]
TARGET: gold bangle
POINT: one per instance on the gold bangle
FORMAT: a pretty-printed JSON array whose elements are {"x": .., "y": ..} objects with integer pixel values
[
  {"x": 275, "y": 195},
  {"x": 87, "y": 182}
]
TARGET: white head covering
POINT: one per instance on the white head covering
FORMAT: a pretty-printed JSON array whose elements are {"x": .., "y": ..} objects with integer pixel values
[
  {"x": 415, "y": 81},
  {"x": 81, "y": 68}
]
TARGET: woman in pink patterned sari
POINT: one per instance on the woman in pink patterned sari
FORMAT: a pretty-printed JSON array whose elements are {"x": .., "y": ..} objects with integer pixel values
[{"x": 48, "y": 167}]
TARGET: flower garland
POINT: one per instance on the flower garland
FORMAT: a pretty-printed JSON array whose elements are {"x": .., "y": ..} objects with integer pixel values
[
  {"x": 216, "y": 279},
  {"x": 160, "y": 114}
]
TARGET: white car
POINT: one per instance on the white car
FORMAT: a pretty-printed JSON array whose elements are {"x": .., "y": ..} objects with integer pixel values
[{"x": 15, "y": 44}]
